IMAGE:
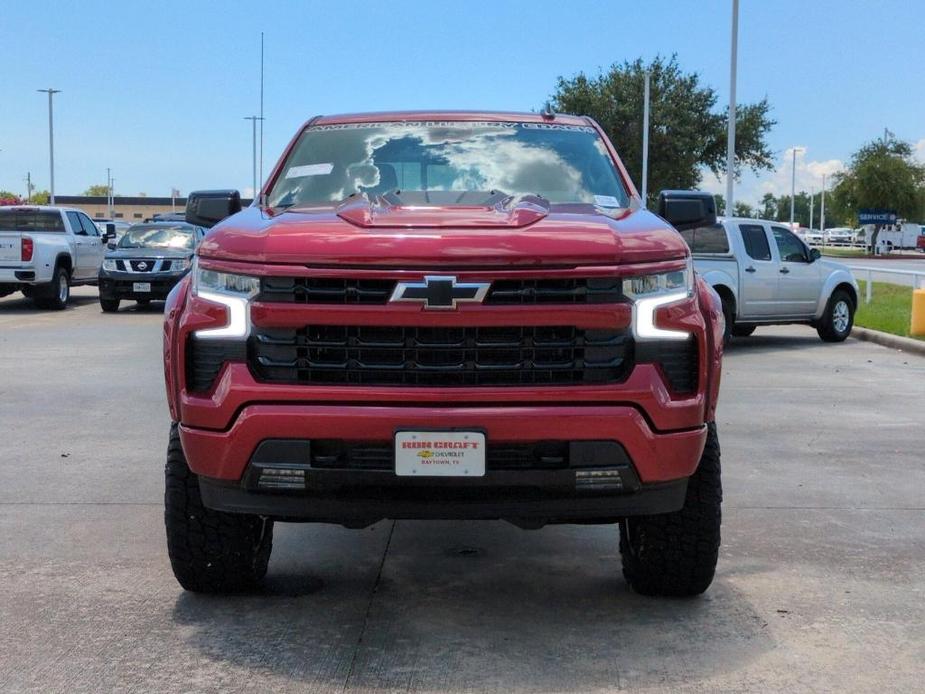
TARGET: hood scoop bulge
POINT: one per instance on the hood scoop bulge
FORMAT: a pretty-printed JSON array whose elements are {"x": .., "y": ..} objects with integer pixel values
[{"x": 443, "y": 209}]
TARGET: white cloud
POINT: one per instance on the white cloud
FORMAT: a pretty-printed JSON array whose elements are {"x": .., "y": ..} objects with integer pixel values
[
  {"x": 809, "y": 174},
  {"x": 918, "y": 150}
]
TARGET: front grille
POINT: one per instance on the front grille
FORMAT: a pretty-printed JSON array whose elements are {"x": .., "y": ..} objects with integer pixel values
[
  {"x": 142, "y": 265},
  {"x": 424, "y": 356},
  {"x": 323, "y": 290},
  {"x": 565, "y": 291}
]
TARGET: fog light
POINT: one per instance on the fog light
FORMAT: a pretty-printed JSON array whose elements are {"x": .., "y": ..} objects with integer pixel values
[
  {"x": 599, "y": 480},
  {"x": 281, "y": 478}
]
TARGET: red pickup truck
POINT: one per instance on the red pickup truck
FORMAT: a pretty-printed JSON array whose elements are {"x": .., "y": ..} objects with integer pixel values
[{"x": 438, "y": 315}]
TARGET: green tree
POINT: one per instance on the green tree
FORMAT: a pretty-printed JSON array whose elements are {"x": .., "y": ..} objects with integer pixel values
[
  {"x": 882, "y": 174},
  {"x": 720, "y": 203},
  {"x": 686, "y": 133},
  {"x": 769, "y": 206},
  {"x": 40, "y": 197},
  {"x": 99, "y": 190},
  {"x": 743, "y": 209}
]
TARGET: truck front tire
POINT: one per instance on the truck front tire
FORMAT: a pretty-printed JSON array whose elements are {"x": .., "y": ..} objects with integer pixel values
[
  {"x": 55, "y": 294},
  {"x": 838, "y": 319},
  {"x": 675, "y": 554},
  {"x": 210, "y": 551},
  {"x": 109, "y": 305}
]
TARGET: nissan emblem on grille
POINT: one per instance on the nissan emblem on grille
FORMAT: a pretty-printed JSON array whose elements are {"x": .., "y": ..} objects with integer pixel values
[
  {"x": 440, "y": 292},
  {"x": 142, "y": 265}
]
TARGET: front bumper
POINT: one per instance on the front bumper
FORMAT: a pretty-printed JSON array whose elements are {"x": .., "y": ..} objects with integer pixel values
[
  {"x": 652, "y": 472},
  {"x": 120, "y": 285}
]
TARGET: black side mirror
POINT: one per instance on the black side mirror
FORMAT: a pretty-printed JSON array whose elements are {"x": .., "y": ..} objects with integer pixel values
[
  {"x": 206, "y": 208},
  {"x": 687, "y": 209},
  {"x": 814, "y": 255},
  {"x": 109, "y": 233}
]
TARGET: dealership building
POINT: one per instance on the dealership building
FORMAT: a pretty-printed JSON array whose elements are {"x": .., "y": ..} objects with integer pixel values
[{"x": 128, "y": 209}]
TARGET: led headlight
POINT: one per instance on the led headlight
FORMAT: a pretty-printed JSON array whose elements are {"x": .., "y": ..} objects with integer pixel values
[
  {"x": 110, "y": 265},
  {"x": 181, "y": 265},
  {"x": 232, "y": 291},
  {"x": 649, "y": 292}
]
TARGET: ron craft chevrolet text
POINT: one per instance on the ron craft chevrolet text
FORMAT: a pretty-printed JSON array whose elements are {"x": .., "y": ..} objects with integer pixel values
[{"x": 433, "y": 315}]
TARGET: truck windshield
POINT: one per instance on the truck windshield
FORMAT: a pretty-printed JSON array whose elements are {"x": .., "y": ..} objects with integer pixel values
[
  {"x": 145, "y": 236},
  {"x": 30, "y": 220},
  {"x": 564, "y": 164}
]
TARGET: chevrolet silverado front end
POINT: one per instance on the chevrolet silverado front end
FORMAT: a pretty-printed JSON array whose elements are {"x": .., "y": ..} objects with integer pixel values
[{"x": 443, "y": 316}]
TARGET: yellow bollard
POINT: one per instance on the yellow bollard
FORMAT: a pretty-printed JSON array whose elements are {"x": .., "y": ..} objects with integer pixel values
[{"x": 918, "y": 313}]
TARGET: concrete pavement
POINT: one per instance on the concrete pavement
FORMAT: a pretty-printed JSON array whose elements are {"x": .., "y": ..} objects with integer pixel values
[{"x": 821, "y": 584}]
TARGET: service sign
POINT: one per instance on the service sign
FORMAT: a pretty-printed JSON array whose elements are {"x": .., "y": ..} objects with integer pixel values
[
  {"x": 876, "y": 216},
  {"x": 440, "y": 454}
]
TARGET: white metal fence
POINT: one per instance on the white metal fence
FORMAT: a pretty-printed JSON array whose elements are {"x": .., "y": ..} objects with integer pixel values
[{"x": 917, "y": 277}]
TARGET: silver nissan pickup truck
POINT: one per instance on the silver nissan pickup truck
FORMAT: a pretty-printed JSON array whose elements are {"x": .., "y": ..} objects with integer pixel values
[
  {"x": 765, "y": 274},
  {"x": 44, "y": 251}
]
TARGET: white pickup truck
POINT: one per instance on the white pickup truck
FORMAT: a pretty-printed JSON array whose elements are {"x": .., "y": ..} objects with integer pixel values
[
  {"x": 765, "y": 274},
  {"x": 44, "y": 251}
]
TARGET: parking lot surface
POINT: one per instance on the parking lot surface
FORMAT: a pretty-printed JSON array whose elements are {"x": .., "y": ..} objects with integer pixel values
[{"x": 820, "y": 587}]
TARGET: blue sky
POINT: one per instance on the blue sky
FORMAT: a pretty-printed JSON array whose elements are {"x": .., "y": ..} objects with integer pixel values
[{"x": 158, "y": 91}]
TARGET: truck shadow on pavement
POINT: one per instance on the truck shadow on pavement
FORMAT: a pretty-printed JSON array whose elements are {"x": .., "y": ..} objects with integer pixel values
[
  {"x": 759, "y": 343},
  {"x": 12, "y": 305},
  {"x": 472, "y": 607}
]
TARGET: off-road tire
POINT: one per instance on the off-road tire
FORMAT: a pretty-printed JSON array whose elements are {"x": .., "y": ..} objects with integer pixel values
[
  {"x": 743, "y": 329},
  {"x": 675, "y": 554},
  {"x": 55, "y": 295},
  {"x": 210, "y": 551},
  {"x": 838, "y": 319},
  {"x": 109, "y": 305}
]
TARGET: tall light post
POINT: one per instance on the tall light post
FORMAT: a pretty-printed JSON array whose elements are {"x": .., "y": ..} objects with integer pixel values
[
  {"x": 645, "y": 142},
  {"x": 731, "y": 135},
  {"x": 51, "y": 140},
  {"x": 793, "y": 182},
  {"x": 822, "y": 212},
  {"x": 108, "y": 193},
  {"x": 253, "y": 120}
]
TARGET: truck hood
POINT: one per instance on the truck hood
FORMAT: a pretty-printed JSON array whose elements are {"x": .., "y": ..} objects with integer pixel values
[{"x": 527, "y": 235}]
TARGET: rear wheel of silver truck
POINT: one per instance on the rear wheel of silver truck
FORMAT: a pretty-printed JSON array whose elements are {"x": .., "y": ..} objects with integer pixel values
[
  {"x": 675, "y": 554},
  {"x": 210, "y": 551}
]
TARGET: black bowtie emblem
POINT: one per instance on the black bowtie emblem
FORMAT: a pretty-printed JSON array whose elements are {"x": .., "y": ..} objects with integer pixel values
[{"x": 440, "y": 292}]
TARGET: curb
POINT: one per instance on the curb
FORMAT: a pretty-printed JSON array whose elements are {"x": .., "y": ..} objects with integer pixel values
[{"x": 905, "y": 344}]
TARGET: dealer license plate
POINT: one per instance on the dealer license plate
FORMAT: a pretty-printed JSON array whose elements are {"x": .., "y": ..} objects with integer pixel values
[
  {"x": 141, "y": 286},
  {"x": 440, "y": 454}
]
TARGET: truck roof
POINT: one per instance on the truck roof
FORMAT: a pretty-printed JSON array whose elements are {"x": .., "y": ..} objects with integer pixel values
[
  {"x": 41, "y": 208},
  {"x": 500, "y": 116}
]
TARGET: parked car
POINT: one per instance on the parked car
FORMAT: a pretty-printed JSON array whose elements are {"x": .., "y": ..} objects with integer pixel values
[
  {"x": 765, "y": 274},
  {"x": 147, "y": 263},
  {"x": 443, "y": 315},
  {"x": 839, "y": 236},
  {"x": 45, "y": 250}
]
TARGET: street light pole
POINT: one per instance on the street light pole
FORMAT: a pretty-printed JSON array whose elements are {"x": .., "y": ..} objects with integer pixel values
[
  {"x": 645, "y": 143},
  {"x": 731, "y": 135},
  {"x": 793, "y": 183},
  {"x": 822, "y": 212},
  {"x": 812, "y": 202},
  {"x": 51, "y": 141},
  {"x": 253, "y": 120}
]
